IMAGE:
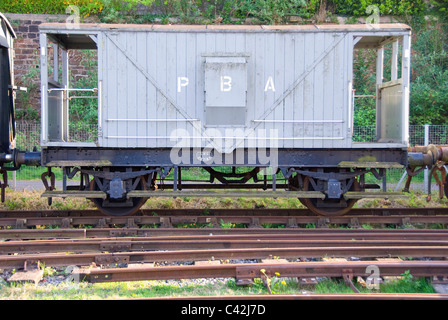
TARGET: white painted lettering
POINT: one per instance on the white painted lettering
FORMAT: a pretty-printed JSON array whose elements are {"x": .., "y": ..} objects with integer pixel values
[
  {"x": 226, "y": 81},
  {"x": 270, "y": 85},
  {"x": 181, "y": 82}
]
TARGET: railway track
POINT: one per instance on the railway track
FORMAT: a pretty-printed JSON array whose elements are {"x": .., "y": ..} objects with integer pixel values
[
  {"x": 105, "y": 252},
  {"x": 294, "y": 251},
  {"x": 245, "y": 272},
  {"x": 214, "y": 218},
  {"x": 210, "y": 243},
  {"x": 271, "y": 233},
  {"x": 314, "y": 297},
  {"x": 226, "y": 212}
]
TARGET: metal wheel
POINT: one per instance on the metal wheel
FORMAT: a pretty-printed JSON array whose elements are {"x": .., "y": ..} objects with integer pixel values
[
  {"x": 119, "y": 207},
  {"x": 327, "y": 207}
]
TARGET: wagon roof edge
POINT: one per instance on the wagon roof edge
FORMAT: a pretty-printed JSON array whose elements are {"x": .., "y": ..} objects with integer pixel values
[
  {"x": 8, "y": 25},
  {"x": 199, "y": 28}
]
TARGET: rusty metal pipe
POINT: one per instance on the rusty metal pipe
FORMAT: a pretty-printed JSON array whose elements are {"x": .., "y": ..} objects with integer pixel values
[
  {"x": 28, "y": 158},
  {"x": 432, "y": 157},
  {"x": 416, "y": 159},
  {"x": 427, "y": 155}
]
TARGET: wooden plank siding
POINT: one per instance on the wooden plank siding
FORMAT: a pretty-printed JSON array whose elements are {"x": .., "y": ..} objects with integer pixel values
[{"x": 298, "y": 82}]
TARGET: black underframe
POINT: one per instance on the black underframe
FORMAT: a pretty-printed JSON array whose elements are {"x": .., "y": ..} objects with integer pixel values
[{"x": 160, "y": 157}]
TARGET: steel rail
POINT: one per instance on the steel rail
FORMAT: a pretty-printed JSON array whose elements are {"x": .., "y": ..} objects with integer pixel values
[
  {"x": 290, "y": 221},
  {"x": 83, "y": 259},
  {"x": 244, "y": 272},
  {"x": 7, "y": 234},
  {"x": 312, "y": 296},
  {"x": 251, "y": 222},
  {"x": 266, "y": 233},
  {"x": 225, "y": 212},
  {"x": 152, "y": 244}
]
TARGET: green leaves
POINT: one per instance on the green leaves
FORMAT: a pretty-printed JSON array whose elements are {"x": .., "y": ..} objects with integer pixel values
[
  {"x": 86, "y": 7},
  {"x": 274, "y": 11},
  {"x": 429, "y": 75},
  {"x": 386, "y": 7}
]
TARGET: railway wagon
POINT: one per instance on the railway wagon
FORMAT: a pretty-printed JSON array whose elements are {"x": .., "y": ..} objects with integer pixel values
[
  {"x": 7, "y": 132},
  {"x": 265, "y": 111},
  {"x": 7, "y": 36}
]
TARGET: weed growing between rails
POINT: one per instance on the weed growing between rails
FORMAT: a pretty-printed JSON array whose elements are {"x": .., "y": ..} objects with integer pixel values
[
  {"x": 55, "y": 287},
  {"x": 405, "y": 284},
  {"x": 414, "y": 199},
  {"x": 32, "y": 200}
]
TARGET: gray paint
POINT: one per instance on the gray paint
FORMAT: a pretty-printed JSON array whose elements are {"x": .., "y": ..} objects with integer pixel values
[{"x": 295, "y": 80}]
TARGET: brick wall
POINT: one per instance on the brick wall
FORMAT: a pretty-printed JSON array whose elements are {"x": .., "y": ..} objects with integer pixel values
[{"x": 26, "y": 62}]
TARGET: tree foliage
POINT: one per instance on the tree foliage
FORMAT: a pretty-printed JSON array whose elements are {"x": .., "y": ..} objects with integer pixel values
[
  {"x": 429, "y": 73},
  {"x": 429, "y": 59},
  {"x": 86, "y": 7}
]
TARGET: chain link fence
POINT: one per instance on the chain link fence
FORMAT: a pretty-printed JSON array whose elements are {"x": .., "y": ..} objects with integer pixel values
[
  {"x": 418, "y": 135},
  {"x": 28, "y": 138}
]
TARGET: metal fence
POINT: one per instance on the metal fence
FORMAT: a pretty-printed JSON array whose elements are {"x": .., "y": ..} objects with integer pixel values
[
  {"x": 418, "y": 134},
  {"x": 28, "y": 134},
  {"x": 28, "y": 138}
]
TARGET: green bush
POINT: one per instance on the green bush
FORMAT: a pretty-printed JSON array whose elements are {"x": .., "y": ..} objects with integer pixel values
[
  {"x": 440, "y": 5},
  {"x": 429, "y": 74},
  {"x": 273, "y": 11},
  {"x": 86, "y": 7},
  {"x": 85, "y": 110},
  {"x": 267, "y": 11},
  {"x": 386, "y": 7}
]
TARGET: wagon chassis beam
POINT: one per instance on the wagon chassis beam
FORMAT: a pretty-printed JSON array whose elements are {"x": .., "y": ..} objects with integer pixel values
[
  {"x": 222, "y": 176},
  {"x": 326, "y": 176},
  {"x": 110, "y": 175}
]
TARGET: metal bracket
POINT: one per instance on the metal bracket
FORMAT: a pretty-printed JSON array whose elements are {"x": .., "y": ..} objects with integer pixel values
[
  {"x": 440, "y": 280},
  {"x": 244, "y": 276},
  {"x": 3, "y": 184},
  {"x": 440, "y": 181},
  {"x": 31, "y": 265},
  {"x": 213, "y": 221},
  {"x": 115, "y": 247},
  {"x": 103, "y": 223},
  {"x": 116, "y": 189},
  {"x": 111, "y": 259},
  {"x": 84, "y": 181},
  {"x": 292, "y": 223},
  {"x": 121, "y": 175},
  {"x": 406, "y": 223},
  {"x": 334, "y": 189},
  {"x": 323, "y": 223},
  {"x": 347, "y": 274},
  {"x": 123, "y": 233},
  {"x": 165, "y": 222},
  {"x": 66, "y": 223},
  {"x": 255, "y": 223},
  {"x": 132, "y": 222},
  {"x": 50, "y": 187},
  {"x": 20, "y": 224},
  {"x": 327, "y": 176},
  {"x": 354, "y": 223},
  {"x": 222, "y": 176}
]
